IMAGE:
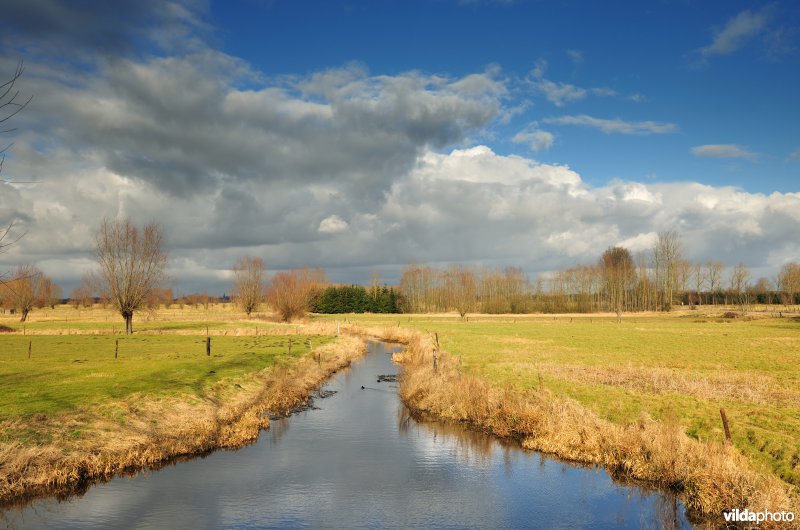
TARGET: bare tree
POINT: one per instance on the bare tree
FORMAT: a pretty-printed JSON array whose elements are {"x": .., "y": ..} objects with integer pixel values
[
  {"x": 22, "y": 290},
  {"x": 10, "y": 105},
  {"x": 290, "y": 292},
  {"x": 48, "y": 292},
  {"x": 667, "y": 254},
  {"x": 132, "y": 263},
  {"x": 460, "y": 289},
  {"x": 248, "y": 283},
  {"x": 715, "y": 270},
  {"x": 619, "y": 272},
  {"x": 789, "y": 282},
  {"x": 699, "y": 276},
  {"x": 740, "y": 282}
]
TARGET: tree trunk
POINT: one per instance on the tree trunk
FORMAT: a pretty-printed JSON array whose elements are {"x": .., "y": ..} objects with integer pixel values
[
  {"x": 128, "y": 323},
  {"x": 24, "y": 316}
]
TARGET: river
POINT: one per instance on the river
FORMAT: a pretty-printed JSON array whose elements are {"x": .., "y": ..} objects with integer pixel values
[{"x": 358, "y": 460}]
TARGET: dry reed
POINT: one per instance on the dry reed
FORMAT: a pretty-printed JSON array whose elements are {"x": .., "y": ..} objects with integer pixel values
[
  {"x": 155, "y": 431},
  {"x": 711, "y": 477}
]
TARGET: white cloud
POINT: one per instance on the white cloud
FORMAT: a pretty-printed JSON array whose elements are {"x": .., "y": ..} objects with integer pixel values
[
  {"x": 794, "y": 155},
  {"x": 332, "y": 225},
  {"x": 575, "y": 55},
  {"x": 723, "y": 151},
  {"x": 240, "y": 164},
  {"x": 539, "y": 68},
  {"x": 536, "y": 139},
  {"x": 737, "y": 31},
  {"x": 604, "y": 92},
  {"x": 559, "y": 93},
  {"x": 615, "y": 126}
]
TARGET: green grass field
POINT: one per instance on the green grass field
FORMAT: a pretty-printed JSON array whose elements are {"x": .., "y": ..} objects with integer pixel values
[
  {"x": 687, "y": 365},
  {"x": 70, "y": 371},
  {"x": 72, "y": 366}
]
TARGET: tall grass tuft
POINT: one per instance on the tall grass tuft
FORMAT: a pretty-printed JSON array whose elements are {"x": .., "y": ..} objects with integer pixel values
[{"x": 712, "y": 477}]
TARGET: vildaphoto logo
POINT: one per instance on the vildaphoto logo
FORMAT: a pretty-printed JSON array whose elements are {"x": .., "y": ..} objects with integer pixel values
[{"x": 746, "y": 516}]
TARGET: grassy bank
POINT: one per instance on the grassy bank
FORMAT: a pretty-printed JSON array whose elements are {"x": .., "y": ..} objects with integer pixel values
[
  {"x": 72, "y": 412},
  {"x": 642, "y": 398}
]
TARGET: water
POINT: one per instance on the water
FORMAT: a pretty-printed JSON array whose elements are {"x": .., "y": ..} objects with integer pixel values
[{"x": 359, "y": 460}]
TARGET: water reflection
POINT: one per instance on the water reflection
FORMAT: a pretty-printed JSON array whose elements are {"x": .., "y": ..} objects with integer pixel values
[{"x": 359, "y": 459}]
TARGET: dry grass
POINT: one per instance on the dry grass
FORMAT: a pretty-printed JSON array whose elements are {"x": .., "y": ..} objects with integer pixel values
[
  {"x": 711, "y": 476},
  {"x": 154, "y": 431}
]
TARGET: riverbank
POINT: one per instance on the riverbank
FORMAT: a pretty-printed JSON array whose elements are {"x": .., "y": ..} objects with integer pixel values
[
  {"x": 710, "y": 475},
  {"x": 182, "y": 403}
]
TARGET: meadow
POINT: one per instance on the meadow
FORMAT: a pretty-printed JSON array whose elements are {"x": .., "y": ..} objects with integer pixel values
[
  {"x": 79, "y": 399},
  {"x": 679, "y": 367},
  {"x": 583, "y": 387}
]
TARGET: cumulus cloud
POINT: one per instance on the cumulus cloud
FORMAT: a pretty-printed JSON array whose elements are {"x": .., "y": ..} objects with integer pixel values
[
  {"x": 723, "y": 151},
  {"x": 559, "y": 93},
  {"x": 233, "y": 163},
  {"x": 332, "y": 225},
  {"x": 143, "y": 123},
  {"x": 615, "y": 126},
  {"x": 471, "y": 205},
  {"x": 737, "y": 32},
  {"x": 535, "y": 138}
]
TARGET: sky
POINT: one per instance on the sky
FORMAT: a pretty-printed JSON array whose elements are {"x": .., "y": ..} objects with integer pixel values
[{"x": 364, "y": 135}]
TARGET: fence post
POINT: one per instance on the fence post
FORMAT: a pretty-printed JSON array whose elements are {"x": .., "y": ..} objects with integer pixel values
[
  {"x": 116, "y": 348},
  {"x": 30, "y": 343},
  {"x": 208, "y": 346},
  {"x": 435, "y": 367},
  {"x": 725, "y": 425}
]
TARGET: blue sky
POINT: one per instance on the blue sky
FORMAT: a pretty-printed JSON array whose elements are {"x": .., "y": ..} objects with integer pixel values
[
  {"x": 363, "y": 136},
  {"x": 649, "y": 54}
]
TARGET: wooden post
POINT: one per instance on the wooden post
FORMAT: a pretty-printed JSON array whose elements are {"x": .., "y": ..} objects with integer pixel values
[
  {"x": 116, "y": 348},
  {"x": 725, "y": 425},
  {"x": 208, "y": 346},
  {"x": 319, "y": 359},
  {"x": 436, "y": 335},
  {"x": 290, "y": 346},
  {"x": 435, "y": 367},
  {"x": 30, "y": 343}
]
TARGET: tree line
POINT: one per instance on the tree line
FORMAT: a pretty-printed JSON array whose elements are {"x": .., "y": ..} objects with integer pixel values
[
  {"x": 619, "y": 281},
  {"x": 132, "y": 274},
  {"x": 356, "y": 299}
]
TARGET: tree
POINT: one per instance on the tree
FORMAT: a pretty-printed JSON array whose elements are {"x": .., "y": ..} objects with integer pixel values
[
  {"x": 715, "y": 270},
  {"x": 10, "y": 105},
  {"x": 291, "y": 292},
  {"x": 789, "y": 282},
  {"x": 667, "y": 255},
  {"x": 459, "y": 284},
  {"x": 699, "y": 276},
  {"x": 619, "y": 272},
  {"x": 740, "y": 282},
  {"x": 48, "y": 292},
  {"x": 248, "y": 283},
  {"x": 132, "y": 263},
  {"x": 22, "y": 290}
]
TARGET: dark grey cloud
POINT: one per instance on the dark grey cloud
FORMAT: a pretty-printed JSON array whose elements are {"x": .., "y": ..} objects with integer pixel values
[
  {"x": 339, "y": 168},
  {"x": 180, "y": 124},
  {"x": 90, "y": 29}
]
